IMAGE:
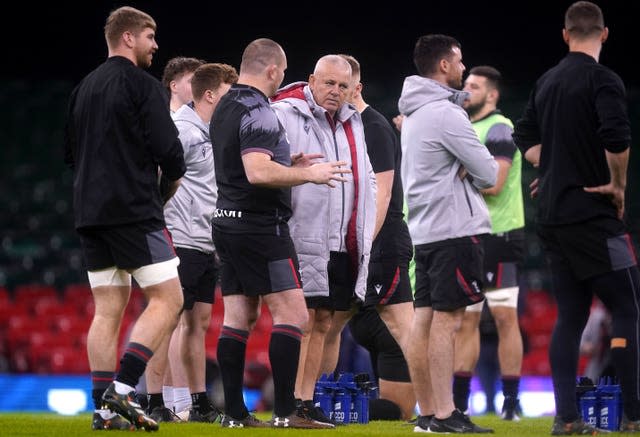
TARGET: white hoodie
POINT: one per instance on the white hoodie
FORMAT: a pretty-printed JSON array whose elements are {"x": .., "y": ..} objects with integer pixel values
[
  {"x": 189, "y": 212},
  {"x": 437, "y": 140}
]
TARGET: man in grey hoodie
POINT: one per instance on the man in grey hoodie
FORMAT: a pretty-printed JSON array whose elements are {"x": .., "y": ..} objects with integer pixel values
[
  {"x": 188, "y": 215},
  {"x": 444, "y": 166}
]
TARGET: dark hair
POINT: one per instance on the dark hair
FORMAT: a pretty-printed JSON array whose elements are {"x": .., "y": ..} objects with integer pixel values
[
  {"x": 430, "y": 50},
  {"x": 493, "y": 76},
  {"x": 210, "y": 77},
  {"x": 584, "y": 19},
  {"x": 177, "y": 67}
]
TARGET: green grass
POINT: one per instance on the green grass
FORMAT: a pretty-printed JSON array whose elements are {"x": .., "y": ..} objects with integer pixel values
[{"x": 45, "y": 424}]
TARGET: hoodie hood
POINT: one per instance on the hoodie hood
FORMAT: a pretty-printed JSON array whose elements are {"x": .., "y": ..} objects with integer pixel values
[
  {"x": 418, "y": 91},
  {"x": 187, "y": 114},
  {"x": 293, "y": 90}
]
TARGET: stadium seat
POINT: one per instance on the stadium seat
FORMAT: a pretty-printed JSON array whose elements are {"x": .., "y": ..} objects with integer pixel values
[
  {"x": 71, "y": 325},
  {"x": 30, "y": 293},
  {"x": 68, "y": 360}
]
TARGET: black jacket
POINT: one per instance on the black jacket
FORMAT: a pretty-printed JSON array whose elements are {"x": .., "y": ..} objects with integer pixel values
[{"x": 118, "y": 133}]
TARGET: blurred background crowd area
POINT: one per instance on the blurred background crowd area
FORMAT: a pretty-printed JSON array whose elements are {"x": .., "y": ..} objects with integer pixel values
[{"x": 45, "y": 301}]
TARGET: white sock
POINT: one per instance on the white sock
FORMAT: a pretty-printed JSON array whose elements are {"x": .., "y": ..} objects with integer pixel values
[
  {"x": 106, "y": 413},
  {"x": 167, "y": 396},
  {"x": 181, "y": 399},
  {"x": 122, "y": 388}
]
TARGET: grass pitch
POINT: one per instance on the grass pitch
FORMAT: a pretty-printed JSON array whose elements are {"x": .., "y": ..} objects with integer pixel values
[{"x": 45, "y": 424}]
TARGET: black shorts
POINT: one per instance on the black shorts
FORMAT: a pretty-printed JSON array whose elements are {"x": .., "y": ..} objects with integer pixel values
[
  {"x": 370, "y": 331},
  {"x": 503, "y": 254},
  {"x": 198, "y": 274},
  {"x": 341, "y": 285},
  {"x": 388, "y": 283},
  {"x": 126, "y": 247},
  {"x": 256, "y": 264},
  {"x": 449, "y": 273},
  {"x": 590, "y": 248}
]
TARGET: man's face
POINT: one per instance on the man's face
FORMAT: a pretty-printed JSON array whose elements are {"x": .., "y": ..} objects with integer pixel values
[
  {"x": 477, "y": 88},
  {"x": 181, "y": 88},
  {"x": 330, "y": 86},
  {"x": 456, "y": 69},
  {"x": 145, "y": 46}
]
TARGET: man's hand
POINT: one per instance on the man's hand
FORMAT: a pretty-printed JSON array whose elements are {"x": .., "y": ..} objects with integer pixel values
[
  {"x": 613, "y": 192},
  {"x": 302, "y": 160},
  {"x": 397, "y": 121},
  {"x": 326, "y": 172}
]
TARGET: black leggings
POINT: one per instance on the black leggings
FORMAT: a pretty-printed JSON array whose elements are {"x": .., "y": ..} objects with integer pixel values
[{"x": 619, "y": 291}]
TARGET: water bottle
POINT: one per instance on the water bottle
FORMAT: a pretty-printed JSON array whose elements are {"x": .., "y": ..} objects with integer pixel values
[
  {"x": 343, "y": 408},
  {"x": 610, "y": 398},
  {"x": 589, "y": 407},
  {"x": 323, "y": 394},
  {"x": 361, "y": 397}
]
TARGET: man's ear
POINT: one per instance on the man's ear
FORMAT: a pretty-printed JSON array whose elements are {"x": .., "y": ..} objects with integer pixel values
[
  {"x": 128, "y": 38},
  {"x": 444, "y": 65}
]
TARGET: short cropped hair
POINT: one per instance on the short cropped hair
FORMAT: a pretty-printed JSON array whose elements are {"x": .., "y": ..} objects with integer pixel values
[
  {"x": 355, "y": 65},
  {"x": 493, "y": 76},
  {"x": 126, "y": 19},
  {"x": 259, "y": 54},
  {"x": 430, "y": 50},
  {"x": 210, "y": 77},
  {"x": 583, "y": 20}
]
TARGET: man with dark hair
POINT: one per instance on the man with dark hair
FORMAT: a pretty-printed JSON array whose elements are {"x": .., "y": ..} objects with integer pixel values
[
  {"x": 176, "y": 78},
  {"x": 165, "y": 382},
  {"x": 575, "y": 130},
  {"x": 188, "y": 214},
  {"x": 444, "y": 167},
  {"x": 503, "y": 248},
  {"x": 254, "y": 172},
  {"x": 118, "y": 133}
]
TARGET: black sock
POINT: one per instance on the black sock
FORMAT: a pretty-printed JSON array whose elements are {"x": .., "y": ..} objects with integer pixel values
[
  {"x": 232, "y": 346},
  {"x": 100, "y": 380},
  {"x": 133, "y": 363},
  {"x": 284, "y": 353},
  {"x": 511, "y": 386},
  {"x": 200, "y": 402},
  {"x": 461, "y": 390},
  {"x": 155, "y": 400},
  {"x": 620, "y": 289}
]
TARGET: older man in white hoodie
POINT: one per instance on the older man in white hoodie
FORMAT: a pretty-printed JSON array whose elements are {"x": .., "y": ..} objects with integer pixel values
[
  {"x": 332, "y": 229},
  {"x": 444, "y": 166}
]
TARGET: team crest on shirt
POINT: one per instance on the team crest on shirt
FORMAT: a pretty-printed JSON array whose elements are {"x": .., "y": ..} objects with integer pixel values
[{"x": 489, "y": 276}]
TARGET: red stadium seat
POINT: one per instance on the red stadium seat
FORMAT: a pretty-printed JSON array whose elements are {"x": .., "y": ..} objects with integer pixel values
[
  {"x": 31, "y": 293},
  {"x": 68, "y": 361}
]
